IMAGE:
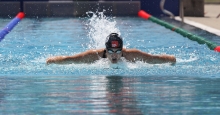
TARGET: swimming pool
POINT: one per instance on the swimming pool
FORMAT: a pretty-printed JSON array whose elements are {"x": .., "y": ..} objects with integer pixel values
[{"x": 30, "y": 86}]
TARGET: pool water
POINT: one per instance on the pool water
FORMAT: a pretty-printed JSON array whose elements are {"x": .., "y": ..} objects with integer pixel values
[{"x": 29, "y": 86}]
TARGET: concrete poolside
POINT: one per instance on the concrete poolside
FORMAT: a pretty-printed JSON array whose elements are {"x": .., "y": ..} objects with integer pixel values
[{"x": 209, "y": 22}]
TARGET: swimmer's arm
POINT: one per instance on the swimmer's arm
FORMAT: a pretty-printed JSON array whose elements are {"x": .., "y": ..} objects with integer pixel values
[
  {"x": 137, "y": 55},
  {"x": 85, "y": 57}
]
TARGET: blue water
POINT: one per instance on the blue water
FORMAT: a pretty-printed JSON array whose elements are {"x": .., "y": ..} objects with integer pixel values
[{"x": 29, "y": 86}]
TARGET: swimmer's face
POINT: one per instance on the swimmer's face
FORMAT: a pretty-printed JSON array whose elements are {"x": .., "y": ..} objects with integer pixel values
[{"x": 114, "y": 54}]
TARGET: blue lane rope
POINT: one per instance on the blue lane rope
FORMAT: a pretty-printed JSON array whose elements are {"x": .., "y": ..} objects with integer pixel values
[{"x": 11, "y": 25}]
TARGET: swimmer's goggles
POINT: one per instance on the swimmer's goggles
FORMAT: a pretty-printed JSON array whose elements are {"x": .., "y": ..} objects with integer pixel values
[{"x": 112, "y": 51}]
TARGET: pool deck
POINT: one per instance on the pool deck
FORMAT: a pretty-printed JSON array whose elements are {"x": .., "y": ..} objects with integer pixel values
[{"x": 209, "y": 22}]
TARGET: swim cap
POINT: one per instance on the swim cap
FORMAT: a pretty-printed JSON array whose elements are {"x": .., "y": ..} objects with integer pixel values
[{"x": 113, "y": 41}]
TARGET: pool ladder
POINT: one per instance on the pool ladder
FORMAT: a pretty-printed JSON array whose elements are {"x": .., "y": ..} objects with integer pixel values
[{"x": 162, "y": 2}]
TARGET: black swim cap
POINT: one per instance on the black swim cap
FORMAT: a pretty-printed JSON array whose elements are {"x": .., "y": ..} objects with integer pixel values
[{"x": 113, "y": 41}]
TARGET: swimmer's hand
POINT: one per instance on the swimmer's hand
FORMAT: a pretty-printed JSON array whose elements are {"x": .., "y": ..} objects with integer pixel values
[
  {"x": 173, "y": 60},
  {"x": 55, "y": 60},
  {"x": 50, "y": 60}
]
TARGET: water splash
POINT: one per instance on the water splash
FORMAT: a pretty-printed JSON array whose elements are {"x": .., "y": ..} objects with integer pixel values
[
  {"x": 192, "y": 57},
  {"x": 100, "y": 26}
]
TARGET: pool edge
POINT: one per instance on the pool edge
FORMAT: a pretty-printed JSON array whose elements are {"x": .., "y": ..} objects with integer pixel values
[{"x": 199, "y": 25}]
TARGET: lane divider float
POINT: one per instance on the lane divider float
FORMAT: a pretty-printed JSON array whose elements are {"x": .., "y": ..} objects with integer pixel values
[
  {"x": 184, "y": 33},
  {"x": 11, "y": 25}
]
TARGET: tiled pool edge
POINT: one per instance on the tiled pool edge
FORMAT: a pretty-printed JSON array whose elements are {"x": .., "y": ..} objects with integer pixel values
[{"x": 70, "y": 8}]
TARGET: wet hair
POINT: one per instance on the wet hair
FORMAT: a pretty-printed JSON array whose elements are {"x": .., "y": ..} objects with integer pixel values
[{"x": 113, "y": 41}]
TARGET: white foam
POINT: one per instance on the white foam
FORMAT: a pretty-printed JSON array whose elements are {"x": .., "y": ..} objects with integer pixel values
[
  {"x": 191, "y": 59},
  {"x": 100, "y": 27}
]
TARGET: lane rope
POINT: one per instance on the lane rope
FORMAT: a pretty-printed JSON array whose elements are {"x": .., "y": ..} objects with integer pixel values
[
  {"x": 8, "y": 28},
  {"x": 184, "y": 33}
]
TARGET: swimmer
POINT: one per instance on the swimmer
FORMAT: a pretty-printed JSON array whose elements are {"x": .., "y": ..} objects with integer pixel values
[{"x": 114, "y": 51}]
